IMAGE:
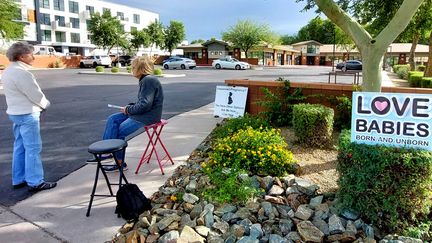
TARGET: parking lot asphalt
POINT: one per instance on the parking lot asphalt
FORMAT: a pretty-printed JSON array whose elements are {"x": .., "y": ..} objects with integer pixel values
[{"x": 79, "y": 110}]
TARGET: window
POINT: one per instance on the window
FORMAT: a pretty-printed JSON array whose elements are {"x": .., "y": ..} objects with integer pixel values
[
  {"x": 120, "y": 15},
  {"x": 133, "y": 29},
  {"x": 74, "y": 23},
  {"x": 60, "y": 20},
  {"x": 73, "y": 7},
  {"x": 88, "y": 23},
  {"x": 59, "y": 5},
  {"x": 89, "y": 38},
  {"x": 75, "y": 37},
  {"x": 90, "y": 9},
  {"x": 46, "y": 35},
  {"x": 60, "y": 36},
  {"x": 45, "y": 19},
  {"x": 104, "y": 10},
  {"x": 122, "y": 28},
  {"x": 136, "y": 19},
  {"x": 44, "y": 3}
]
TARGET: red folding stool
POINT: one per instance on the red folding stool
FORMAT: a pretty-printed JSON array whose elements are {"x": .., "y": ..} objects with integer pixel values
[{"x": 153, "y": 132}]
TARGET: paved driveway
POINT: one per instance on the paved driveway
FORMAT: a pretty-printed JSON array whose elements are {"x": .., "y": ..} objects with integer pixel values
[{"x": 79, "y": 111}]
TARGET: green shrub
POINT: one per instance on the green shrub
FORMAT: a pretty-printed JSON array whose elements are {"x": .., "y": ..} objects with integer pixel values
[
  {"x": 157, "y": 71},
  {"x": 278, "y": 105},
  {"x": 426, "y": 82},
  {"x": 396, "y": 68},
  {"x": 259, "y": 151},
  {"x": 390, "y": 187},
  {"x": 402, "y": 71},
  {"x": 313, "y": 124},
  {"x": 226, "y": 186},
  {"x": 232, "y": 125},
  {"x": 415, "y": 78},
  {"x": 115, "y": 69},
  {"x": 421, "y": 68},
  {"x": 129, "y": 69},
  {"x": 100, "y": 69},
  {"x": 342, "y": 119}
]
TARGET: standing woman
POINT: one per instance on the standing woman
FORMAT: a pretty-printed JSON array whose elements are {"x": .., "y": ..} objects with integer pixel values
[
  {"x": 25, "y": 101},
  {"x": 145, "y": 111}
]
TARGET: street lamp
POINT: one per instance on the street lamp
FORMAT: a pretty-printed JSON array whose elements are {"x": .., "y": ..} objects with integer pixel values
[{"x": 334, "y": 46}]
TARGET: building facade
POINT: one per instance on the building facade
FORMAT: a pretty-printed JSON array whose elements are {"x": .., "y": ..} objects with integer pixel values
[
  {"x": 267, "y": 55},
  {"x": 63, "y": 23}
]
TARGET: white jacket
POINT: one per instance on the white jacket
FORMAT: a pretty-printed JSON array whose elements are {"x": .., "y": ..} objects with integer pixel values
[{"x": 23, "y": 94}]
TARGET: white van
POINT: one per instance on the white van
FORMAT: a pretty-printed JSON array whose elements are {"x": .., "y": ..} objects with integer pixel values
[{"x": 46, "y": 50}]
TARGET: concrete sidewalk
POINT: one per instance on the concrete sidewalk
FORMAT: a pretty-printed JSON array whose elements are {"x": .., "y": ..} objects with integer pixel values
[{"x": 58, "y": 215}]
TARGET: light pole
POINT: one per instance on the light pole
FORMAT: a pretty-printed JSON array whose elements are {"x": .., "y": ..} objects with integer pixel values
[{"x": 334, "y": 46}]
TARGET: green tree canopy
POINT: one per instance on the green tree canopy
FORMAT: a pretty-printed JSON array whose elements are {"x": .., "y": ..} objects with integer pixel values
[
  {"x": 247, "y": 34},
  {"x": 174, "y": 34},
  {"x": 155, "y": 31},
  {"x": 371, "y": 46},
  {"x": 9, "y": 28},
  {"x": 200, "y": 41},
  {"x": 139, "y": 39},
  {"x": 106, "y": 31}
]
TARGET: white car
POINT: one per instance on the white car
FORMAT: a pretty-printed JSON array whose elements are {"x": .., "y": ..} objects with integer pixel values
[
  {"x": 94, "y": 61},
  {"x": 230, "y": 63},
  {"x": 179, "y": 62}
]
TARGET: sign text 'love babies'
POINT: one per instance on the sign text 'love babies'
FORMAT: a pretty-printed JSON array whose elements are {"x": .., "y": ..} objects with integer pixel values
[{"x": 392, "y": 119}]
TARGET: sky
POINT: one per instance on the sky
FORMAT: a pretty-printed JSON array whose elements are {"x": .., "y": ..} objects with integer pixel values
[{"x": 204, "y": 19}]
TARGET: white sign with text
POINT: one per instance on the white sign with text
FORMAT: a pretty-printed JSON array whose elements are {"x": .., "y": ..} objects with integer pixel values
[
  {"x": 230, "y": 101},
  {"x": 392, "y": 119}
]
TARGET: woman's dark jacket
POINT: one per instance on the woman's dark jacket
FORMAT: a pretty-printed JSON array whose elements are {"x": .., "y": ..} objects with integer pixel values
[{"x": 148, "y": 108}]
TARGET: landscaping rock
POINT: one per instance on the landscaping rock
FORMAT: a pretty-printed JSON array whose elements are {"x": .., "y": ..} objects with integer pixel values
[
  {"x": 169, "y": 237},
  {"x": 276, "y": 190},
  {"x": 309, "y": 233},
  {"x": 189, "y": 235},
  {"x": 335, "y": 225},
  {"x": 304, "y": 212},
  {"x": 190, "y": 198}
]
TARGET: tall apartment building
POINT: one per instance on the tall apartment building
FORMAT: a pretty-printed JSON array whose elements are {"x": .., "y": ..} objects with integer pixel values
[{"x": 63, "y": 23}]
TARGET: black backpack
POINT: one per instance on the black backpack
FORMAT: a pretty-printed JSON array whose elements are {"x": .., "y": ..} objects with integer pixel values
[{"x": 131, "y": 202}]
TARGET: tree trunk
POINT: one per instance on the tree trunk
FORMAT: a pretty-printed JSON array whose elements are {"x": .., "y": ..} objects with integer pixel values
[
  {"x": 372, "y": 63},
  {"x": 411, "y": 59},
  {"x": 428, "y": 71},
  {"x": 371, "y": 48},
  {"x": 246, "y": 54}
]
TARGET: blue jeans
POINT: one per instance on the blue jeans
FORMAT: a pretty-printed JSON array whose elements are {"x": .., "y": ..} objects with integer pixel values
[
  {"x": 26, "y": 161},
  {"x": 119, "y": 126}
]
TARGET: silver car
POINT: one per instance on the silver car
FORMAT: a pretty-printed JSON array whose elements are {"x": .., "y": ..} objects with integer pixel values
[
  {"x": 179, "y": 62},
  {"x": 230, "y": 63}
]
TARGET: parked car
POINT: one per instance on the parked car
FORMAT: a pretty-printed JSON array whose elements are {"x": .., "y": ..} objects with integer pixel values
[
  {"x": 179, "y": 62},
  {"x": 93, "y": 61},
  {"x": 350, "y": 65},
  {"x": 124, "y": 60},
  {"x": 230, "y": 63},
  {"x": 46, "y": 50}
]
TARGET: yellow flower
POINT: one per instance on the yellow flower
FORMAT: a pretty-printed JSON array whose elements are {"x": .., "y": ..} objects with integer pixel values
[{"x": 173, "y": 198}]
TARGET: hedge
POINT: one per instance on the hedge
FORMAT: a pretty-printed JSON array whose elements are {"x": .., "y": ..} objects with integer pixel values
[
  {"x": 313, "y": 124},
  {"x": 388, "y": 186}
]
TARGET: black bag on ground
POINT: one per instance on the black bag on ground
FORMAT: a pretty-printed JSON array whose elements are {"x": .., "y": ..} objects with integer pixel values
[{"x": 131, "y": 202}]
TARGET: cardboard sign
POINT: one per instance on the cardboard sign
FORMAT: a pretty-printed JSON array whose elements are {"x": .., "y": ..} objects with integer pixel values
[
  {"x": 392, "y": 119},
  {"x": 230, "y": 101}
]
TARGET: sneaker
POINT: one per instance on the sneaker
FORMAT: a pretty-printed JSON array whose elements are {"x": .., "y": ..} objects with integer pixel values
[
  {"x": 103, "y": 157},
  {"x": 114, "y": 168},
  {"x": 21, "y": 185},
  {"x": 43, "y": 186}
]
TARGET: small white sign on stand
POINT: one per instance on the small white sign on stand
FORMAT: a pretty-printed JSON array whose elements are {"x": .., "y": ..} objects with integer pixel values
[{"x": 230, "y": 101}]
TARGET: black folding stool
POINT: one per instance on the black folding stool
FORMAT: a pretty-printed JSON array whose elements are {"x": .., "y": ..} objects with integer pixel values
[{"x": 109, "y": 146}]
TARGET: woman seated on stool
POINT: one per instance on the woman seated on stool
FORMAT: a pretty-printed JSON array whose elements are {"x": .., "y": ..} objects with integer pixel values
[{"x": 145, "y": 111}]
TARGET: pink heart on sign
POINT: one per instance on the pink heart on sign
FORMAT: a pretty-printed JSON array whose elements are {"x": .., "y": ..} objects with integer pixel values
[{"x": 381, "y": 105}]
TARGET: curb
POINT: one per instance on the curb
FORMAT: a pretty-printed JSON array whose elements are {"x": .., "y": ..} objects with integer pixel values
[{"x": 128, "y": 74}]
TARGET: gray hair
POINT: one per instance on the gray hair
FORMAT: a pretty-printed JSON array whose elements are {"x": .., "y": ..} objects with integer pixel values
[{"x": 18, "y": 49}]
